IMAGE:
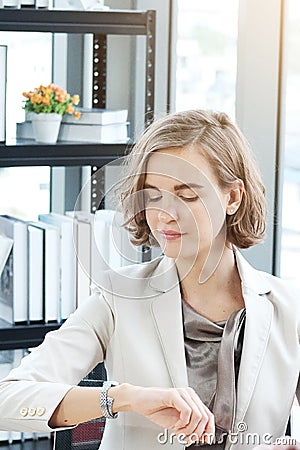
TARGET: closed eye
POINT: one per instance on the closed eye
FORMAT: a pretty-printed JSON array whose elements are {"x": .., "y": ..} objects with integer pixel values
[
  {"x": 187, "y": 198},
  {"x": 152, "y": 195},
  {"x": 187, "y": 194},
  {"x": 153, "y": 199}
]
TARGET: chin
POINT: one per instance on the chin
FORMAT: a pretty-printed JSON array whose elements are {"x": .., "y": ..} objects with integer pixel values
[
  {"x": 179, "y": 252},
  {"x": 188, "y": 252},
  {"x": 171, "y": 250}
]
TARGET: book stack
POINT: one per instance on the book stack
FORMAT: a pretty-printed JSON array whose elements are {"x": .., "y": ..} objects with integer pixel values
[
  {"x": 13, "y": 279},
  {"x": 49, "y": 267},
  {"x": 100, "y": 244},
  {"x": 95, "y": 125}
]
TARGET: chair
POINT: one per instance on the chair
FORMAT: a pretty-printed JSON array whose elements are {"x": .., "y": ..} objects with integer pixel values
[{"x": 88, "y": 435}]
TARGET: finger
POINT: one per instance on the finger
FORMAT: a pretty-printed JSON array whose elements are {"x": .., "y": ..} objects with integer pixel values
[
  {"x": 199, "y": 417},
  {"x": 175, "y": 400},
  {"x": 183, "y": 427},
  {"x": 210, "y": 426},
  {"x": 210, "y": 429},
  {"x": 205, "y": 430}
]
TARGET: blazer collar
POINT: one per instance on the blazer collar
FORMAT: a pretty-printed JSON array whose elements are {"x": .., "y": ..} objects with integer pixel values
[
  {"x": 165, "y": 276},
  {"x": 259, "y": 316},
  {"x": 166, "y": 310},
  {"x": 251, "y": 278},
  {"x": 167, "y": 315}
]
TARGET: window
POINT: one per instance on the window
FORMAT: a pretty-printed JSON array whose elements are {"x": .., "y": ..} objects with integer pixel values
[
  {"x": 28, "y": 65},
  {"x": 26, "y": 191},
  {"x": 290, "y": 238},
  {"x": 206, "y": 55}
]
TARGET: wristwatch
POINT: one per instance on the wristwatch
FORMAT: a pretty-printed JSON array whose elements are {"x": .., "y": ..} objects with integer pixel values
[{"x": 107, "y": 402}]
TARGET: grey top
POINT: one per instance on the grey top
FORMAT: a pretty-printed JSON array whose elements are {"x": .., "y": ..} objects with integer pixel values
[{"x": 202, "y": 339}]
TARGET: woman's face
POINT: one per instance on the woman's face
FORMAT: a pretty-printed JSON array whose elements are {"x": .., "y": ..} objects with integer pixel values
[{"x": 185, "y": 207}]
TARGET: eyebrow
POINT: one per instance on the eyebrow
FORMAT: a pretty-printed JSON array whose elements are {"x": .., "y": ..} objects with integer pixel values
[{"x": 178, "y": 187}]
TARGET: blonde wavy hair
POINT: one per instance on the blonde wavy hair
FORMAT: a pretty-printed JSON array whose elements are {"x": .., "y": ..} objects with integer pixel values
[{"x": 223, "y": 145}]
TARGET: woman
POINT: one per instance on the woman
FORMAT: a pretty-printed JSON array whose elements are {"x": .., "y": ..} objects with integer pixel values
[{"x": 201, "y": 343}]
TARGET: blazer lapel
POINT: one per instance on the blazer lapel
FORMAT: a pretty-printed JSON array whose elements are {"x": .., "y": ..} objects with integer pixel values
[
  {"x": 259, "y": 314},
  {"x": 167, "y": 315}
]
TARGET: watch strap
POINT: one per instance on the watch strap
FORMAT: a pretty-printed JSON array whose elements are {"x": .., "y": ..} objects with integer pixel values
[{"x": 106, "y": 403}]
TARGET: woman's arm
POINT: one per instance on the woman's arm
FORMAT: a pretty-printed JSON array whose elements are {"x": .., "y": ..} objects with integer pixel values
[
  {"x": 30, "y": 393},
  {"x": 178, "y": 409}
]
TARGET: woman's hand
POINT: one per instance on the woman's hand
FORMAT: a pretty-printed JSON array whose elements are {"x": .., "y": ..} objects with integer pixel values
[{"x": 178, "y": 409}]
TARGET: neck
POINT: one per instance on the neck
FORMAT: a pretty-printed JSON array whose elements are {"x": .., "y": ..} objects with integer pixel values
[{"x": 220, "y": 293}]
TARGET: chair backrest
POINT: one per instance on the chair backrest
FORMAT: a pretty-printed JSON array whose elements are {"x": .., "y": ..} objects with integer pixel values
[{"x": 88, "y": 435}]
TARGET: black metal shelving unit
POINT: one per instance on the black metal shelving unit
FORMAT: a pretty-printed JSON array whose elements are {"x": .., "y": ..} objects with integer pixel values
[
  {"x": 127, "y": 22},
  {"x": 24, "y": 336},
  {"x": 26, "y": 153}
]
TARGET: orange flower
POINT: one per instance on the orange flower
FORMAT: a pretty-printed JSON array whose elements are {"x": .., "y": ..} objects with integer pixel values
[
  {"x": 50, "y": 98},
  {"x": 75, "y": 99},
  {"x": 70, "y": 109},
  {"x": 46, "y": 100},
  {"x": 36, "y": 98},
  {"x": 77, "y": 114},
  {"x": 60, "y": 99}
]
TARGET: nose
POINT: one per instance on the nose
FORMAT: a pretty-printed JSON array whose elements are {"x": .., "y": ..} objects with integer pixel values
[
  {"x": 168, "y": 208},
  {"x": 167, "y": 216}
]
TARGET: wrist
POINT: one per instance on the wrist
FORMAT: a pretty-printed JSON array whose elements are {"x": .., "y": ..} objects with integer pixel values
[
  {"x": 106, "y": 401},
  {"x": 123, "y": 396}
]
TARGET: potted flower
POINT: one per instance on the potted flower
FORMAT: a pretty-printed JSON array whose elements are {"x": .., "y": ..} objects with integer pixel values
[{"x": 45, "y": 106}]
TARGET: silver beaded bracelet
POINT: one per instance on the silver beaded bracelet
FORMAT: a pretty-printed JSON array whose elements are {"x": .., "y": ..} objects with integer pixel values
[{"x": 107, "y": 402}]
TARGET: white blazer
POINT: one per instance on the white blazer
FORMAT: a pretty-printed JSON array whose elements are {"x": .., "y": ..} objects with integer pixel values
[{"x": 134, "y": 324}]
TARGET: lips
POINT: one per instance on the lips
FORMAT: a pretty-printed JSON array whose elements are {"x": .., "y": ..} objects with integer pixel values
[{"x": 170, "y": 234}]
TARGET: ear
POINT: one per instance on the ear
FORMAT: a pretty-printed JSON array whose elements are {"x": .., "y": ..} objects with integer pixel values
[{"x": 235, "y": 196}]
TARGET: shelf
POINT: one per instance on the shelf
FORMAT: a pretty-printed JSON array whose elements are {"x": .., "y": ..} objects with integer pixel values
[
  {"x": 24, "y": 336},
  {"x": 97, "y": 22},
  {"x": 28, "y": 153},
  {"x": 40, "y": 444}
]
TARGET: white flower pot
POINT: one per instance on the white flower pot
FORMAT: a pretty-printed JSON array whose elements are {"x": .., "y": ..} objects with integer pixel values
[{"x": 46, "y": 127}]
